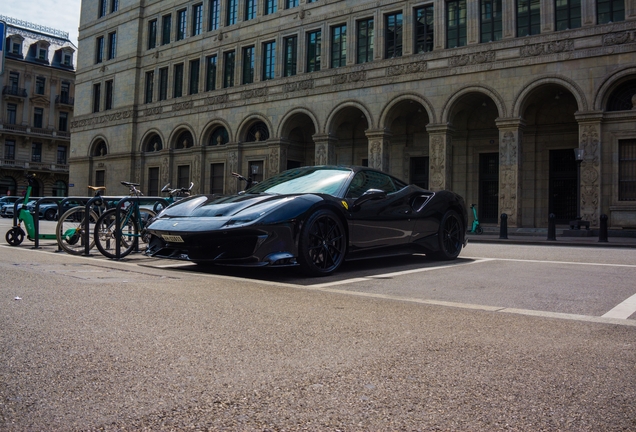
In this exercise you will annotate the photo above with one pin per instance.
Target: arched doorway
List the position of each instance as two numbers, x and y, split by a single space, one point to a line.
349 126
8 186
298 130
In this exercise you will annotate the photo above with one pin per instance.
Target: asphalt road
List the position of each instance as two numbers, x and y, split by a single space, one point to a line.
505 338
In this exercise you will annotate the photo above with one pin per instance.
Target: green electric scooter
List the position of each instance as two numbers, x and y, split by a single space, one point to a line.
477 229
15 235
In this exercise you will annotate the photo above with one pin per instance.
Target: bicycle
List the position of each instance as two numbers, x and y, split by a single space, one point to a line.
132 222
70 227
173 195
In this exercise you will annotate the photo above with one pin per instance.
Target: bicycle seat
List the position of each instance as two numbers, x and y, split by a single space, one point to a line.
129 184
97 188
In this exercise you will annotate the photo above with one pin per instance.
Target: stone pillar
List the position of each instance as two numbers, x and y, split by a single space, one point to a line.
325 149
510 139
233 165
277 156
379 149
52 91
440 160
590 142
508 19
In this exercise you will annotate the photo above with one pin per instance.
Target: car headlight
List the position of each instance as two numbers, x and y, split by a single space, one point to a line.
244 218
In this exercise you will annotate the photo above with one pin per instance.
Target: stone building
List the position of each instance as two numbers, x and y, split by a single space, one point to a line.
488 98
36 108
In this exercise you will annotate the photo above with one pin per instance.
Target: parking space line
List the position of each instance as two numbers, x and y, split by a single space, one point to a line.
553 262
623 310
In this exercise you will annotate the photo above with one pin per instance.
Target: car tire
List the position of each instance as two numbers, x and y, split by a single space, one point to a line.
323 243
450 237
50 214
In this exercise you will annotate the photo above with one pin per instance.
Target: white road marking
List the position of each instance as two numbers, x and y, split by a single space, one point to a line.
553 262
623 310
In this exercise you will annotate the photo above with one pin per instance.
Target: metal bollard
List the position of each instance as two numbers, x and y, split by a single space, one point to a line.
503 228
552 227
602 233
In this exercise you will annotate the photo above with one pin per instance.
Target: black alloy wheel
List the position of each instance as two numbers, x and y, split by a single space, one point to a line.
323 244
14 236
451 237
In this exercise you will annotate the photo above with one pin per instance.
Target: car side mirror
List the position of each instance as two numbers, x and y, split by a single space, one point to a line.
370 195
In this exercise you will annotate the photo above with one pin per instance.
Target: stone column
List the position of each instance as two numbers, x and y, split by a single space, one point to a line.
590 142
277 156
508 19
440 161
379 149
510 139
325 149
439 25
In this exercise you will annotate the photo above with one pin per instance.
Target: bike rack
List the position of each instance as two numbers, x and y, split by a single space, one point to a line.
87 220
62 205
36 218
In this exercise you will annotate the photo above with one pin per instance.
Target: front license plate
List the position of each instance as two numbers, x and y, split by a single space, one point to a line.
172 238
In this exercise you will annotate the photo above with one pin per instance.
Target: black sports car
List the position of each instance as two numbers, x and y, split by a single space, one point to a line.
312 216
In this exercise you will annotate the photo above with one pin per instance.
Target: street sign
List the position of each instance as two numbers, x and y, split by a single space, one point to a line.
3 39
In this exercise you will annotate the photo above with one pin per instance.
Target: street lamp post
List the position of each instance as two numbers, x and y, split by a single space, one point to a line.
579 153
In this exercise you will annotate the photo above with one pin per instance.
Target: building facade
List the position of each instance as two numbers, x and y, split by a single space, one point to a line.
488 98
38 87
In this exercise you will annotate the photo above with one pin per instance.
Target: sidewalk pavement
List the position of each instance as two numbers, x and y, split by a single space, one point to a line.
540 237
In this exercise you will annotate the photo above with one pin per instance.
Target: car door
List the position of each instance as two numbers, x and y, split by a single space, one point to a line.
381 223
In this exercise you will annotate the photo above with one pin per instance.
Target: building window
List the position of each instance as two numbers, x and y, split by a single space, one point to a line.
112 45
217 175
182 24
250 9
183 176
12 110
36 152
97 90
528 17
61 155
152 34
610 11
424 29
102 8
38 117
99 49
9 149
338 46
114 6
210 73
365 41
163 84
197 19
194 76
219 137
213 19
153 181
228 69
40 84
291 49
62 124
232 12
269 60
490 24
65 92
16 48
393 35
313 51
248 65
42 54
291 4
150 81
271 6
100 176
627 170
567 14
108 102
456 23
166 29
68 60
177 84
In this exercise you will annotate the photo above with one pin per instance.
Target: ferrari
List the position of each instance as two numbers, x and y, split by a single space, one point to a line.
316 217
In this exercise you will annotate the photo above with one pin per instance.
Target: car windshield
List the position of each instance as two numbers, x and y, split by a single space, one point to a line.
296 181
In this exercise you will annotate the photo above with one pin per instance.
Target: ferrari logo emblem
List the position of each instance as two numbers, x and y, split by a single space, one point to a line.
175 224
345 205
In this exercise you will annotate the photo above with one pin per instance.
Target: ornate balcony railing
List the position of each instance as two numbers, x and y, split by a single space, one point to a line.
10 90
14 127
64 99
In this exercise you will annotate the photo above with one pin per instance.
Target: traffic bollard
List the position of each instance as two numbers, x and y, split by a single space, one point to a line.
602 233
552 227
503 228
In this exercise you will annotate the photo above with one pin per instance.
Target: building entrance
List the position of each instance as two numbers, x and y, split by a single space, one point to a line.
488 207
562 185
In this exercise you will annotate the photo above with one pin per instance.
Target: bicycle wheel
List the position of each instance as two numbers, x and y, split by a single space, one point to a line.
146 215
105 233
70 230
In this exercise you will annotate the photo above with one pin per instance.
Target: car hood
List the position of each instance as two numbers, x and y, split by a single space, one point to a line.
210 206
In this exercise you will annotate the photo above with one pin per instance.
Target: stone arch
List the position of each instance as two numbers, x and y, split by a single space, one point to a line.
286 124
385 115
251 122
8 185
176 140
297 130
95 149
451 104
149 139
334 117
521 99
211 128
610 84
